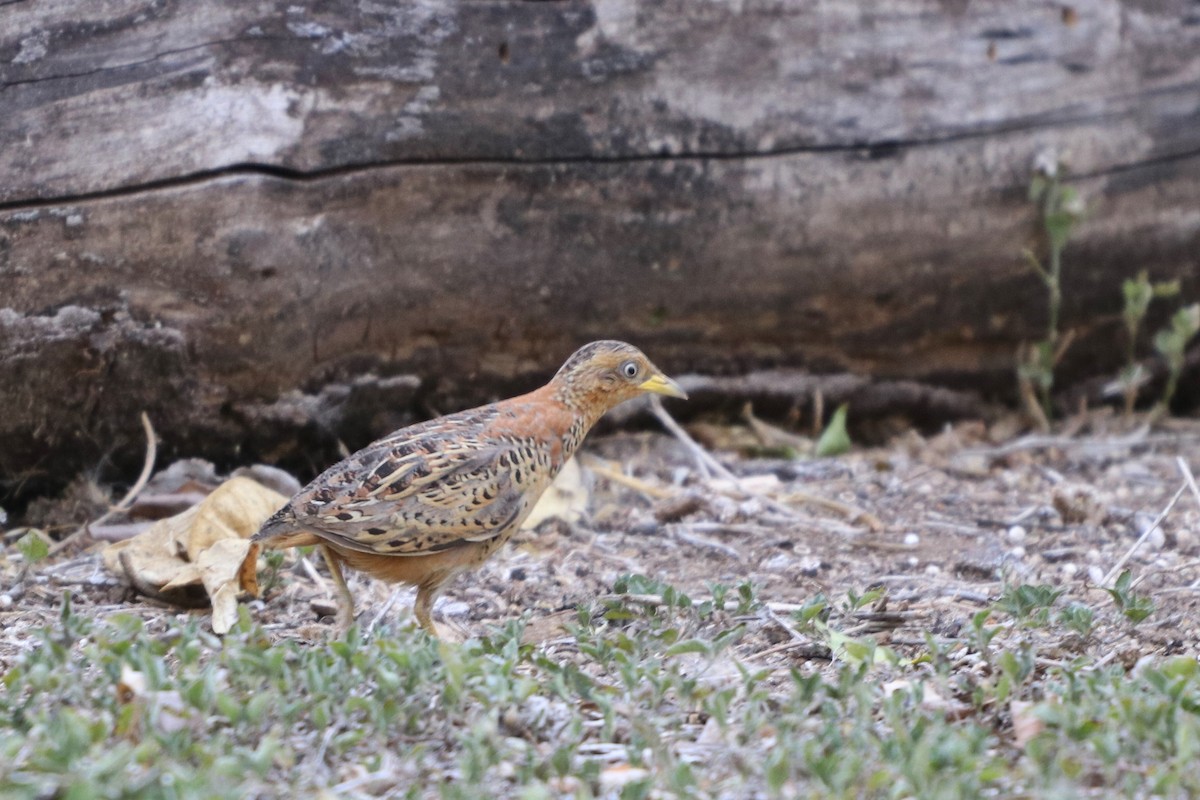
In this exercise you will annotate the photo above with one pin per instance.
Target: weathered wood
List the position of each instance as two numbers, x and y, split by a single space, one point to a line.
120 94
230 213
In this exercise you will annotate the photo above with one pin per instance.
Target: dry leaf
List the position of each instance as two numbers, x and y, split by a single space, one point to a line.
566 498
207 545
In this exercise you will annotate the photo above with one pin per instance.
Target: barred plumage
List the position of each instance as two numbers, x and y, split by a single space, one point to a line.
433 499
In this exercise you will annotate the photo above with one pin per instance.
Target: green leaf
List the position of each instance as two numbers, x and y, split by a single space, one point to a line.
1138 293
688 646
834 439
778 770
1181 667
1058 228
1167 288
33 546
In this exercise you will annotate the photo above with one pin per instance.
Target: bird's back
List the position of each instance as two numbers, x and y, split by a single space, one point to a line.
452 481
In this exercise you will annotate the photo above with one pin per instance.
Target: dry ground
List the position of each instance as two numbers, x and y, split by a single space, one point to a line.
940 523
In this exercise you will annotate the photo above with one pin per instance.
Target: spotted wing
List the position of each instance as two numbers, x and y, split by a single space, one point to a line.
422 490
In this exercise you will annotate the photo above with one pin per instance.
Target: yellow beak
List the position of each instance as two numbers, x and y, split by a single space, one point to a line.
661 384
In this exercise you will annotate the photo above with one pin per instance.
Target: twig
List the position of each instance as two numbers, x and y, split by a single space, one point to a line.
771 436
130 496
118 532
786 626
852 513
391 601
1187 476
1103 660
704 461
1112 573
1177 568
312 573
810 650
628 481
682 535
818 411
730 527
710 466
1043 442
319 760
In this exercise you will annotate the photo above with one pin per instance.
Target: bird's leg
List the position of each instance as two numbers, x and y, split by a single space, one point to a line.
345 614
423 606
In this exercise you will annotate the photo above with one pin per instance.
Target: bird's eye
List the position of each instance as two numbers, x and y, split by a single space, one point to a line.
629 369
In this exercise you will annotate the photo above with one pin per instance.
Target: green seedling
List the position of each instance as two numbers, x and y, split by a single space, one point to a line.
33 546
1060 209
1136 607
1078 618
1171 342
1029 604
1138 293
834 440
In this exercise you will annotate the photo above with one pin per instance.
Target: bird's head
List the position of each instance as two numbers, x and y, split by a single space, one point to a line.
601 375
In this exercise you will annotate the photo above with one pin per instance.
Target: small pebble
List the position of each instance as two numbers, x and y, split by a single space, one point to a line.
6 601
1069 570
1095 574
932 569
1185 540
455 608
1156 539
778 563
1017 552
810 566
1016 535
724 509
911 539
913 561
750 508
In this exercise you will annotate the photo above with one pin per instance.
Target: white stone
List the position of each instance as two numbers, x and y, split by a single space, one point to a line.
1156 539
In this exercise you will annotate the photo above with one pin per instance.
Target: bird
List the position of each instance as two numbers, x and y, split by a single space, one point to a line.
432 500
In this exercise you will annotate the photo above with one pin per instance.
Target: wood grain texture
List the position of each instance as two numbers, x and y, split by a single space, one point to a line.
258 218
102 96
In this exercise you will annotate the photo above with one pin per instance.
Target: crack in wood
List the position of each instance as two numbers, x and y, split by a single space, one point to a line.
874 150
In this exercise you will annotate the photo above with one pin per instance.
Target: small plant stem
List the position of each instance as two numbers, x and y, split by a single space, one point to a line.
1110 578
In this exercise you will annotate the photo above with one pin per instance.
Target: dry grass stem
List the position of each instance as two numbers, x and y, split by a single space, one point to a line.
1116 570
130 496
